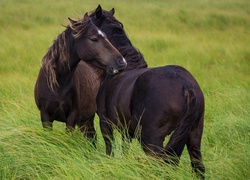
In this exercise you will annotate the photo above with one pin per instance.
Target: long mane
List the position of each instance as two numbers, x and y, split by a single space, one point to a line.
133 57
58 55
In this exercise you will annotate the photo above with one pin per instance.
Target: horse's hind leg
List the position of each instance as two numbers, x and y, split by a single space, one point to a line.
152 142
193 146
46 121
88 129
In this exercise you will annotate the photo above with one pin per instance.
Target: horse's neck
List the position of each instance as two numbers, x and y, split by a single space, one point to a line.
133 57
64 73
101 74
120 41
64 76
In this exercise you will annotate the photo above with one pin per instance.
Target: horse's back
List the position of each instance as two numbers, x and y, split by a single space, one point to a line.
168 81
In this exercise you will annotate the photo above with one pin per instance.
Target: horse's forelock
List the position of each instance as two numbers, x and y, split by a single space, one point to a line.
80 27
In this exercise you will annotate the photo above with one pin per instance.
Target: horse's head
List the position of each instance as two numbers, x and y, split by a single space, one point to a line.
92 46
106 21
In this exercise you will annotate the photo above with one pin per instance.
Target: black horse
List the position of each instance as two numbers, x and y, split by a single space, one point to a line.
66 88
152 101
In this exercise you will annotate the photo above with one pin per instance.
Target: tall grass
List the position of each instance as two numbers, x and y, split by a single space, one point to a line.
209 38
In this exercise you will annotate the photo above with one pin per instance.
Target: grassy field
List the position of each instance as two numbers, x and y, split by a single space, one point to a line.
209 38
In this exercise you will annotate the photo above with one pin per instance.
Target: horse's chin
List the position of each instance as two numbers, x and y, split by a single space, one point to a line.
115 71
112 71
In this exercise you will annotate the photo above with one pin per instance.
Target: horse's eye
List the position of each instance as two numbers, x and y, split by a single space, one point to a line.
94 40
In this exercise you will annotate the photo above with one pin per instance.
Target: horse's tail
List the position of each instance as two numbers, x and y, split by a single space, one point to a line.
179 137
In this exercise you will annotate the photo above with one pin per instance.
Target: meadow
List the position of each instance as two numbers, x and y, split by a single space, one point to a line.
209 38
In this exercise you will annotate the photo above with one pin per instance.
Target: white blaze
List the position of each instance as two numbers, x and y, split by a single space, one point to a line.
100 32
124 60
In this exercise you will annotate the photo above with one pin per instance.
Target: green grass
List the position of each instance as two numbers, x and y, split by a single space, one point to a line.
209 38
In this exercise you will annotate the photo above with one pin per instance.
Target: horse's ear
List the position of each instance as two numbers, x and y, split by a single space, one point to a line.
98 12
112 11
86 16
71 21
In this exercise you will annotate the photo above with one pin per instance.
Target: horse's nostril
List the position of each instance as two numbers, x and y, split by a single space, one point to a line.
122 62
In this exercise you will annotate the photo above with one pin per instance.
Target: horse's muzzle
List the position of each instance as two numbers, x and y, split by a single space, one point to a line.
112 71
120 65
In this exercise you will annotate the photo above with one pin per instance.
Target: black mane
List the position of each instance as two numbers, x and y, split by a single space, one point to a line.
119 39
133 57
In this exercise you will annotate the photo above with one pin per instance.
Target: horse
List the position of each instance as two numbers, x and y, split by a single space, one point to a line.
66 88
150 103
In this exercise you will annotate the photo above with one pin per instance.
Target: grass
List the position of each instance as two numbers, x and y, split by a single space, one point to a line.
209 38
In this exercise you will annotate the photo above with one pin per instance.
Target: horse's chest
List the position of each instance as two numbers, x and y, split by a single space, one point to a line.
59 107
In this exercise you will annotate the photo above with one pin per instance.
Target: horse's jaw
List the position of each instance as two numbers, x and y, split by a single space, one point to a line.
112 71
121 64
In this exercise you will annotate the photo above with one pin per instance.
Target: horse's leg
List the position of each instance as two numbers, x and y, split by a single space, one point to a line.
87 128
71 121
145 127
186 121
151 143
107 133
46 121
175 146
193 146
151 137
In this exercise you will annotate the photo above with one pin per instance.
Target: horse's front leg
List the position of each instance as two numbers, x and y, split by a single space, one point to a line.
107 133
71 121
46 121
